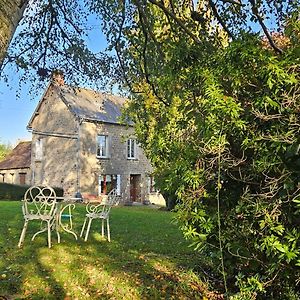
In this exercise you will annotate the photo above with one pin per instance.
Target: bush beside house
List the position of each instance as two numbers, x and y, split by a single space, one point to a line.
16 192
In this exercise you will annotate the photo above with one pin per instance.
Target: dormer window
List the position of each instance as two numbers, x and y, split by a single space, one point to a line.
102 146
131 149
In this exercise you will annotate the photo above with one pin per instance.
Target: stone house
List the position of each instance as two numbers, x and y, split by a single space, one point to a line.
79 144
15 168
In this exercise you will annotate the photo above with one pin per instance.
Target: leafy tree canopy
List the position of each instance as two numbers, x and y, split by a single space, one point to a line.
4 150
54 35
215 88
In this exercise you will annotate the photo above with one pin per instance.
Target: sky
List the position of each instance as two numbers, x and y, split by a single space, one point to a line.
15 112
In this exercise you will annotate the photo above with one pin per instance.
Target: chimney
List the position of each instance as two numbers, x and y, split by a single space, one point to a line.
58 78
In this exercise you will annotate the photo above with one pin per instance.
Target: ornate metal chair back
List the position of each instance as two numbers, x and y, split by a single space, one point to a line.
112 199
99 211
39 201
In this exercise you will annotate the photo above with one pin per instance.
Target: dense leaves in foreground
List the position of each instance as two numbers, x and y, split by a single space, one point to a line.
216 108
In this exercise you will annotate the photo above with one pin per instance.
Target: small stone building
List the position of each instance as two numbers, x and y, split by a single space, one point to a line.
79 144
15 168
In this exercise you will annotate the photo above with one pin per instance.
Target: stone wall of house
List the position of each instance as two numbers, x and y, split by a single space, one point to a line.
16 176
56 128
69 149
58 164
116 164
53 115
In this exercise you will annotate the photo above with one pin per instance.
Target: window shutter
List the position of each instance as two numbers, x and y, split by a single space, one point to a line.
149 184
100 179
128 148
135 149
118 185
108 146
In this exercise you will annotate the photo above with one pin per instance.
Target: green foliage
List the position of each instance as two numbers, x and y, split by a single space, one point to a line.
4 150
55 35
16 192
206 87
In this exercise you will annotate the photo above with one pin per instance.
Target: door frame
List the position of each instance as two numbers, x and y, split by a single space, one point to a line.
135 187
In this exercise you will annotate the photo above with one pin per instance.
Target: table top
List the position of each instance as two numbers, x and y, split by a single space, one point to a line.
69 199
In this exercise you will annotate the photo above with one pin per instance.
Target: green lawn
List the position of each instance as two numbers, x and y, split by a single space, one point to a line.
146 259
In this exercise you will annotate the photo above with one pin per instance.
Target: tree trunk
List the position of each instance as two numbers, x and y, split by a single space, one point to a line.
11 12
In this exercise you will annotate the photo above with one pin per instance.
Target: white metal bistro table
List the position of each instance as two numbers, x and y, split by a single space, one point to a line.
65 207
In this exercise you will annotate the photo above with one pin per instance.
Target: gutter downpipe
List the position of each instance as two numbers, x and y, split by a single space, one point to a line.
78 158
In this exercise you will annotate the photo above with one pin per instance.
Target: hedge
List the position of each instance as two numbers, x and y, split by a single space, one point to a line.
16 192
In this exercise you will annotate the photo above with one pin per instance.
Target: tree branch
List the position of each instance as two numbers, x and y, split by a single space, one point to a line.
63 10
218 17
147 77
233 2
177 20
264 27
143 18
117 48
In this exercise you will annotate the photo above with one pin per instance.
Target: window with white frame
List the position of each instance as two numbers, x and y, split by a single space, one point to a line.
39 149
131 149
109 182
102 146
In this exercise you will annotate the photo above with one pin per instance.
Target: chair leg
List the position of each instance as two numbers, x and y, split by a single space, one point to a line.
49 235
108 229
55 226
83 226
102 231
22 237
58 236
88 229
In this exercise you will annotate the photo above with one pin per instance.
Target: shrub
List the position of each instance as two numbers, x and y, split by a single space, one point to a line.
16 192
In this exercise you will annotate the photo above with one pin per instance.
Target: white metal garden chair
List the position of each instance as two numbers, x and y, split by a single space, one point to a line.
39 204
99 211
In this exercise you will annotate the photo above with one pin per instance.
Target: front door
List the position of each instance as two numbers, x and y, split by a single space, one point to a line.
22 178
135 192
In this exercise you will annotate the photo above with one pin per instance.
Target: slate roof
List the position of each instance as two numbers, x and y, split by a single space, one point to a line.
19 158
91 105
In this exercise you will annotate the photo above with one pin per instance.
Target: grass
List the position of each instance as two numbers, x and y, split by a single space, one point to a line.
146 259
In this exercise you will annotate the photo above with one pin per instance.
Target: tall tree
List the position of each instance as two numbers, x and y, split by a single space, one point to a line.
11 13
215 90
52 35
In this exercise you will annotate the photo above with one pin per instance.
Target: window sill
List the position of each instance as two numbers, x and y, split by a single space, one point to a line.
134 158
103 157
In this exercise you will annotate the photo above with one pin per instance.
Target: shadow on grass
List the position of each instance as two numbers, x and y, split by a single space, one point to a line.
147 259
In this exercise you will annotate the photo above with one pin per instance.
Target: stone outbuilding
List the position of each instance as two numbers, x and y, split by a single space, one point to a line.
15 168
80 145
